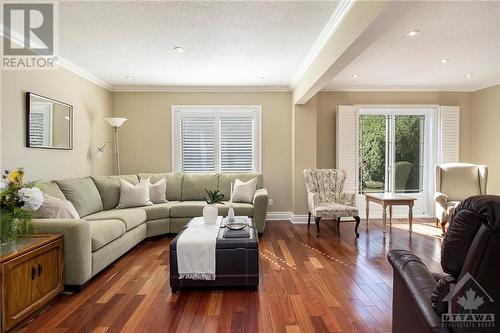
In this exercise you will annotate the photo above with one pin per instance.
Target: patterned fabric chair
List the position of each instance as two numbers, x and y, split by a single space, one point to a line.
326 199
453 183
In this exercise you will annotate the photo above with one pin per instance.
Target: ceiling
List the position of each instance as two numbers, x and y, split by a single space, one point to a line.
227 43
465 32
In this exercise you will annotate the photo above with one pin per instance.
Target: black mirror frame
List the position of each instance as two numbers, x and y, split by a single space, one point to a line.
28 110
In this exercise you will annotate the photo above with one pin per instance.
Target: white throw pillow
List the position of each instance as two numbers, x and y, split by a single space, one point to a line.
54 208
134 195
244 192
157 191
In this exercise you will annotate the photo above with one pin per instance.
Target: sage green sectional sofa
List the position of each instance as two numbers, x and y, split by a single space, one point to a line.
104 233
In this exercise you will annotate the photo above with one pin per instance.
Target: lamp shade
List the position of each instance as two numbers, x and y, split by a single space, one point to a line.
116 122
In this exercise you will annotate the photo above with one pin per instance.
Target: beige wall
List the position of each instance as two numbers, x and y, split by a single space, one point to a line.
145 139
91 103
328 102
304 150
485 138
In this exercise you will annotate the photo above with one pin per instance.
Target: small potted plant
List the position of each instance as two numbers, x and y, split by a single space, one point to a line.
210 211
18 201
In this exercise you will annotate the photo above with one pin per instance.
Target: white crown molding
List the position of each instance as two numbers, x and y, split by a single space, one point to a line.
60 61
329 29
180 89
412 88
82 73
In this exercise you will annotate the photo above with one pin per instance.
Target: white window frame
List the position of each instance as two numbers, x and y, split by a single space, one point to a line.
216 111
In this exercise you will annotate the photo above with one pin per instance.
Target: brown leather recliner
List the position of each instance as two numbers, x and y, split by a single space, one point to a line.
467 297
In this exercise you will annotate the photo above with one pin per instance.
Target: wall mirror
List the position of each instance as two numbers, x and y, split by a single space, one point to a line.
49 123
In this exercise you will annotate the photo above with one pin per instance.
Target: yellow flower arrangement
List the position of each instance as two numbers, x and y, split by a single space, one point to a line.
16 176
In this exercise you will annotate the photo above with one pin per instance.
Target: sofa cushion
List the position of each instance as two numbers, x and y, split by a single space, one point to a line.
132 217
187 209
109 188
51 189
194 185
159 211
82 193
174 183
240 209
103 232
225 180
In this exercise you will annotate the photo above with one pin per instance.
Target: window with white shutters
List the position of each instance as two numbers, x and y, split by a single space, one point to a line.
216 139
236 144
197 144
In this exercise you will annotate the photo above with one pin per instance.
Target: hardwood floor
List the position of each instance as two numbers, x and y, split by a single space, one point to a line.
336 283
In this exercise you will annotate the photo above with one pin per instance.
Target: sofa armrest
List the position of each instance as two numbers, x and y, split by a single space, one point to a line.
77 247
260 202
412 290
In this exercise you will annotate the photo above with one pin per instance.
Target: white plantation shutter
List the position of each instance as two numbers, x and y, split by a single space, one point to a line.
236 144
449 134
37 137
347 145
197 140
216 139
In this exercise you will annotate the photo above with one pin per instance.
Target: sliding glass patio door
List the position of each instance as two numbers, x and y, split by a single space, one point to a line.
396 153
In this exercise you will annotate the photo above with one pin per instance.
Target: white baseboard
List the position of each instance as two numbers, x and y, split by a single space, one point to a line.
299 219
273 216
286 216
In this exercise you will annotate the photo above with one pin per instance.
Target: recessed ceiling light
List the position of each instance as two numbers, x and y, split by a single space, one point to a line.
468 76
355 76
128 77
179 49
260 77
413 33
445 61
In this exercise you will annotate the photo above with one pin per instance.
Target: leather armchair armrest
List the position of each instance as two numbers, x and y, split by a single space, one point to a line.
413 286
77 247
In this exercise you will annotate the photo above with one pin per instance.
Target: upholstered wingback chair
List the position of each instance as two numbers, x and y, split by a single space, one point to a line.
326 199
453 183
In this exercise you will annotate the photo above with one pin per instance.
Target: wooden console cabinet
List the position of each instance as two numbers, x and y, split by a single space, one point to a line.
31 276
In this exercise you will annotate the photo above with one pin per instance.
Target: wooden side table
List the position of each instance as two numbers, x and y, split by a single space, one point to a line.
389 200
31 276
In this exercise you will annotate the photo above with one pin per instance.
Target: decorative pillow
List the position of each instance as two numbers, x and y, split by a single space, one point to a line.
54 208
244 192
441 290
157 191
134 195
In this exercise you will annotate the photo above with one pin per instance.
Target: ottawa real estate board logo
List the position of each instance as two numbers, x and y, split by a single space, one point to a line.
467 302
29 35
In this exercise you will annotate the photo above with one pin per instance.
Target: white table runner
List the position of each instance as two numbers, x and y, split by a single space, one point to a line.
196 250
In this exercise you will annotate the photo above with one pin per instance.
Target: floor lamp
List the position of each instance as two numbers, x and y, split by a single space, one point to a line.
116 123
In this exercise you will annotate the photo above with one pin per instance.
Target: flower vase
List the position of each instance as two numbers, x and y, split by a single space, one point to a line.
210 213
230 213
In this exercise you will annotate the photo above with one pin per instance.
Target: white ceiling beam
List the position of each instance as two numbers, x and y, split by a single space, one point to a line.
356 31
